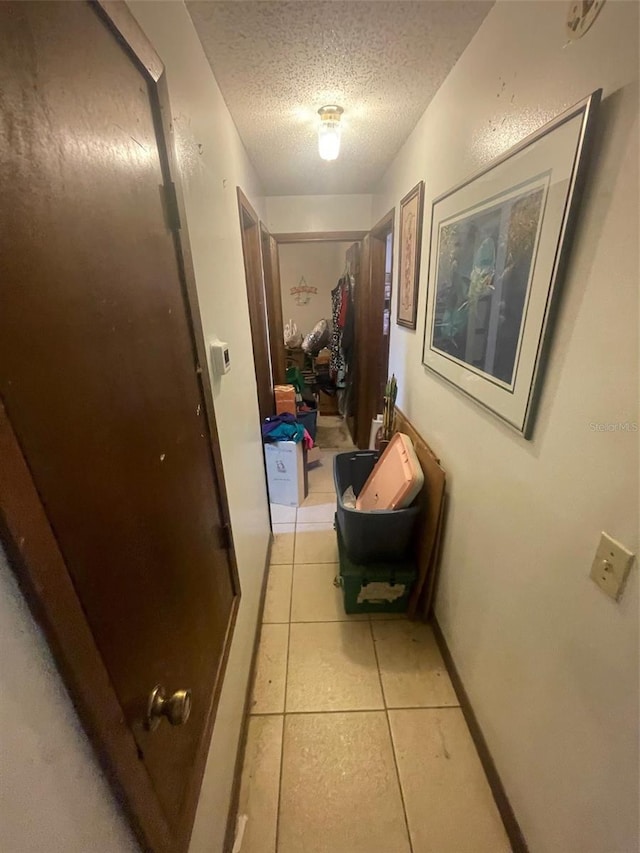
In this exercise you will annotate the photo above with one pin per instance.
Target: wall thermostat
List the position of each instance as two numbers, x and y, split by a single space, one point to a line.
220 358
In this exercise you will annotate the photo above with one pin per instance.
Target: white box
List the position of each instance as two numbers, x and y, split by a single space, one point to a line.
286 472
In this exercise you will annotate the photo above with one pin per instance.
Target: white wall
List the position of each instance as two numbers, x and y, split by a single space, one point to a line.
53 795
550 663
321 265
291 214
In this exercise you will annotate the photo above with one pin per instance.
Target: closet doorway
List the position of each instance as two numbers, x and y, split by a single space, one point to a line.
318 275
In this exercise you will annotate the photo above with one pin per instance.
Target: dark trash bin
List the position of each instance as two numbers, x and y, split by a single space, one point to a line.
378 535
309 421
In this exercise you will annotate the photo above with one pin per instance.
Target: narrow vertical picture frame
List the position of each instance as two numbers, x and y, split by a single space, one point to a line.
410 239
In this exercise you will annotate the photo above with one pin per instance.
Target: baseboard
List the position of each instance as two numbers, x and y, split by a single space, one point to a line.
242 741
516 838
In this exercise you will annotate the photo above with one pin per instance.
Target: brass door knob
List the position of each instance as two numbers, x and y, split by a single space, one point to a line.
176 708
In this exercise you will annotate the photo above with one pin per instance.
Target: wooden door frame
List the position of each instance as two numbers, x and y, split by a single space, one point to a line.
320 237
273 300
369 314
362 343
258 319
379 235
36 559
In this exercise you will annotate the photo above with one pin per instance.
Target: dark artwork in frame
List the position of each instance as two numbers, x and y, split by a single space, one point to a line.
485 261
499 246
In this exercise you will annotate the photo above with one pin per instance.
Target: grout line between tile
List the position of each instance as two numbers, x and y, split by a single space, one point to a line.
286 679
357 710
327 621
393 746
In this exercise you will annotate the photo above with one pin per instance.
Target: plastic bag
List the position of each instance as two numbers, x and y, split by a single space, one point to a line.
317 338
292 337
349 498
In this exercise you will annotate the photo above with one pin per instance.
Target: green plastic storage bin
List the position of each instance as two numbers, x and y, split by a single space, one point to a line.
375 587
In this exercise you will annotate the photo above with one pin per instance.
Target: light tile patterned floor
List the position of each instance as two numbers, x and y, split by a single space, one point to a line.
356 742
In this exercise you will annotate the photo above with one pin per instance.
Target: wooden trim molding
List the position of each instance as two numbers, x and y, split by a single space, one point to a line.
242 741
132 36
511 825
257 299
320 237
384 225
273 300
248 207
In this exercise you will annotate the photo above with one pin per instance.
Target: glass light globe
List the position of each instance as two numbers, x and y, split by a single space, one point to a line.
329 140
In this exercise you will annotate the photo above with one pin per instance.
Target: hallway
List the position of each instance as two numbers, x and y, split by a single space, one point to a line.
356 742
440 191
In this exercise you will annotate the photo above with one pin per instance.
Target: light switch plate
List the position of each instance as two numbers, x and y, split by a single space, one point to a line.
611 566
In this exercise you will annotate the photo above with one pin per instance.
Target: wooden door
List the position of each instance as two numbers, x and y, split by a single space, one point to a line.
273 295
109 430
256 296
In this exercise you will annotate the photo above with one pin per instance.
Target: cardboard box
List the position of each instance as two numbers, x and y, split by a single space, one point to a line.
285 396
286 472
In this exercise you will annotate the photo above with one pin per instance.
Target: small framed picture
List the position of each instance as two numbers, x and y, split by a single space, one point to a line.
410 242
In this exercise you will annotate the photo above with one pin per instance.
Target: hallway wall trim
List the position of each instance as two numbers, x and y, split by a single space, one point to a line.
511 825
320 237
234 804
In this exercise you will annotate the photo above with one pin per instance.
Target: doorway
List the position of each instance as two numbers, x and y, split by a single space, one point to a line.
309 264
311 273
318 277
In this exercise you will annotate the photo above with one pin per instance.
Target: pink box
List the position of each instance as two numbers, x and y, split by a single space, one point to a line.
396 479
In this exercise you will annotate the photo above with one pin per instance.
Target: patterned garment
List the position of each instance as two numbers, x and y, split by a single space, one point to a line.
337 363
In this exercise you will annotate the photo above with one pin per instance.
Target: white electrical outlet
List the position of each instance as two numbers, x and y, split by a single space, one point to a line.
611 566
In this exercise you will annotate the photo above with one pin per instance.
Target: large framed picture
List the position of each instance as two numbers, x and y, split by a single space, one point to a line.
499 245
410 241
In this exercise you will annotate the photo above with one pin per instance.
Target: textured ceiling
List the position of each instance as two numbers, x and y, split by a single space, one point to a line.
278 62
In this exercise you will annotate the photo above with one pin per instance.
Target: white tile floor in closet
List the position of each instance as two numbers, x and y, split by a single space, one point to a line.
356 740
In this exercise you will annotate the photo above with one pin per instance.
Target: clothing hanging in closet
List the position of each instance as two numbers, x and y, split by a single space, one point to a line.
343 328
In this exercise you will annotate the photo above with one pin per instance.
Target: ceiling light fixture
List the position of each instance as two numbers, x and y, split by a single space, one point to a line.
329 131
